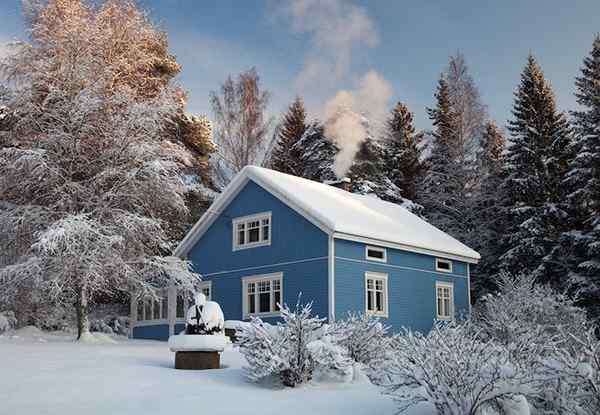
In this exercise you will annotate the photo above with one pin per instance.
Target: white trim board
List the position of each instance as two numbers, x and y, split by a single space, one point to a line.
265 266
447 274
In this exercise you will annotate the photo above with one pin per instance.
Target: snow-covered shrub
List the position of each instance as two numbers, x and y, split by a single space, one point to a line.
331 360
535 322
291 350
452 368
7 321
572 373
363 335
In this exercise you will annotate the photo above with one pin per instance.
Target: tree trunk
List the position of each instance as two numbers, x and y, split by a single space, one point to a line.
81 308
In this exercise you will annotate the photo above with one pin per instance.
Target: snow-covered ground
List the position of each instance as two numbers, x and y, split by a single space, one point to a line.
43 373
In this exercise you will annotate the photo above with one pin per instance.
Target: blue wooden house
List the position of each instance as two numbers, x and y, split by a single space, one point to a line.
271 236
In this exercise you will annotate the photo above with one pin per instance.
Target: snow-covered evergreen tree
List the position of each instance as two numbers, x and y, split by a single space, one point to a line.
583 179
315 154
488 209
368 173
447 184
284 157
536 162
92 178
402 156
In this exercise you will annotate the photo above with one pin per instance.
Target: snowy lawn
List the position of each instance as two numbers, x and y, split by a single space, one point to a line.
49 374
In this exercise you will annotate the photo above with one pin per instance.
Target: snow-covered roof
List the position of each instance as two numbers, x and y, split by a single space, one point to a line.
342 214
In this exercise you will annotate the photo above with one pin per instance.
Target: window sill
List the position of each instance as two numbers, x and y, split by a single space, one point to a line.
142 323
377 314
252 245
273 314
444 318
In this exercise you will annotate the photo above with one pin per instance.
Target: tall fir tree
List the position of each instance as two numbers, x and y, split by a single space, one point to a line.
535 211
445 192
488 209
315 154
402 155
584 180
291 130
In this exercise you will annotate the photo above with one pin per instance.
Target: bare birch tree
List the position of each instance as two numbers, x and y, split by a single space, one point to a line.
241 127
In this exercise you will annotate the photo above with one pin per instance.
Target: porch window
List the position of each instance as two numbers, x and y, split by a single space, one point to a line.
262 294
444 300
376 294
252 231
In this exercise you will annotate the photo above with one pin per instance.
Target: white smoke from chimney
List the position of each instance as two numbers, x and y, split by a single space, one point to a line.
335 27
350 114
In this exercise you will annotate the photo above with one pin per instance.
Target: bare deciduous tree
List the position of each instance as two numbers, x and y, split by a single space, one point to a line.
240 124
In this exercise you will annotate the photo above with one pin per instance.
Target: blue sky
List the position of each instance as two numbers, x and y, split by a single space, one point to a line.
406 42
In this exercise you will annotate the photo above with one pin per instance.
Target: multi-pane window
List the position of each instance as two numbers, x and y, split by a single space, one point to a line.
149 309
262 294
206 289
252 231
376 293
444 300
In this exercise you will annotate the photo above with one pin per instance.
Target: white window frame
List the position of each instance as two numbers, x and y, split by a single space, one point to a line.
375 248
206 285
142 319
245 220
256 279
381 277
442 285
441 260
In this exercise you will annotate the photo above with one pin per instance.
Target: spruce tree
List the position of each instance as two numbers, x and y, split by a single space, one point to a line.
315 154
535 211
488 218
445 186
368 173
402 155
290 132
584 179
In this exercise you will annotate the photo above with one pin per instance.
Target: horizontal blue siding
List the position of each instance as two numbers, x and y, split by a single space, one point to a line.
411 285
298 249
151 332
307 278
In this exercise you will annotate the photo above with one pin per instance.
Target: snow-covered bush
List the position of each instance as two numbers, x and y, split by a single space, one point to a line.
524 309
363 335
568 379
331 360
452 368
293 349
7 321
536 324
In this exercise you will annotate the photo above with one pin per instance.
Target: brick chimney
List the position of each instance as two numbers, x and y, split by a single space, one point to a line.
344 183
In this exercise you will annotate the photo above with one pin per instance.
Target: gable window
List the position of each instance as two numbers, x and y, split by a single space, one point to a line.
252 231
444 298
375 253
205 288
376 294
443 265
262 294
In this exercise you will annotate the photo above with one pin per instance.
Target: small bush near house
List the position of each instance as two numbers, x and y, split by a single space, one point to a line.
363 336
547 337
452 368
294 350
